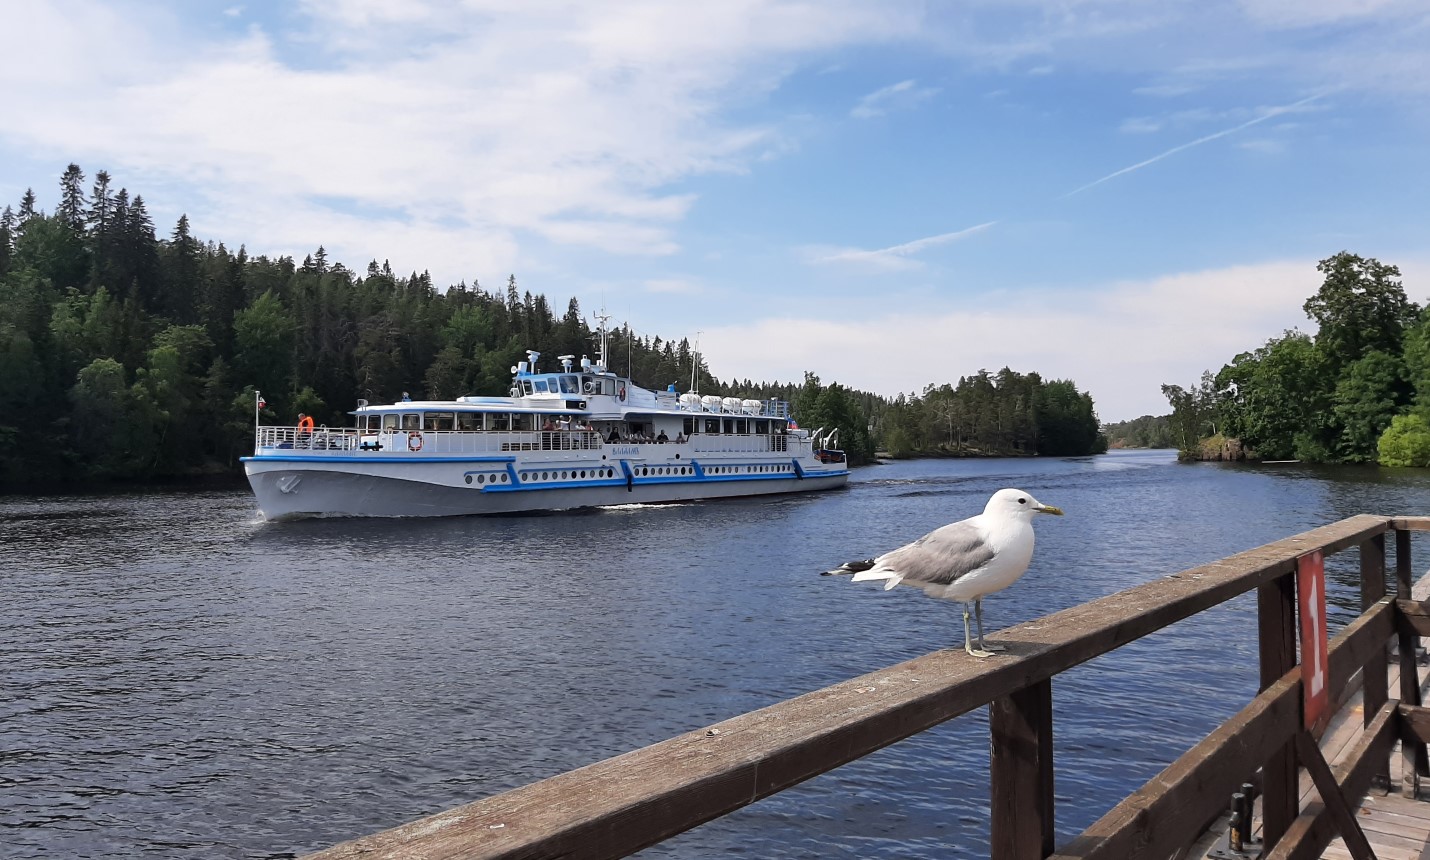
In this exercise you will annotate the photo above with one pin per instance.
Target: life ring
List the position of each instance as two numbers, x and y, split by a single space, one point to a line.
588 388
414 441
305 424
622 393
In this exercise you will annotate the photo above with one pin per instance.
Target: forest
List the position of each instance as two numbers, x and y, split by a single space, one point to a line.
1358 391
126 356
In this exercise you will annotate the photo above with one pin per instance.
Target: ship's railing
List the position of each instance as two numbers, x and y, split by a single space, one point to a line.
721 443
347 441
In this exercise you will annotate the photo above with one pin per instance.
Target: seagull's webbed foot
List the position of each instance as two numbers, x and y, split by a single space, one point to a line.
968 639
978 616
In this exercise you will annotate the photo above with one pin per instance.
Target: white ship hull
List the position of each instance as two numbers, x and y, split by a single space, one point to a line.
292 487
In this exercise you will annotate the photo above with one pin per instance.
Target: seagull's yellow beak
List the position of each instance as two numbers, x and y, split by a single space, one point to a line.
1049 509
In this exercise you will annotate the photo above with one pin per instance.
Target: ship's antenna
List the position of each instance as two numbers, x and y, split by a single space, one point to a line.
602 318
695 366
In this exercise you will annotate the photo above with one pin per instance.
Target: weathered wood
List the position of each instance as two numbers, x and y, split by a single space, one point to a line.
1416 615
1376 680
1414 524
1021 766
1167 813
1312 830
1276 634
1414 762
1338 809
1415 723
618 806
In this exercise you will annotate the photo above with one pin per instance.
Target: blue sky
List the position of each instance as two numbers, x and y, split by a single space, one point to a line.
887 194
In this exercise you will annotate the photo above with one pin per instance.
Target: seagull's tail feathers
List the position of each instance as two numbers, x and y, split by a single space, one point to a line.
849 567
891 578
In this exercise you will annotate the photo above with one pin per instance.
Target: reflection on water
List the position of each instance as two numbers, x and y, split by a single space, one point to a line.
181 679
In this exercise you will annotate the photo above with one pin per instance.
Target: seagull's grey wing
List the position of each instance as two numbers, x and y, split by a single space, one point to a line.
941 556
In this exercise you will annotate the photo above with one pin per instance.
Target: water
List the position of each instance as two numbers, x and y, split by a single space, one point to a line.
180 679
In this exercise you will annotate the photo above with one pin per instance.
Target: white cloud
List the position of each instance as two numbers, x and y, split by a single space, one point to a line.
1120 341
892 258
901 96
490 120
678 286
1139 125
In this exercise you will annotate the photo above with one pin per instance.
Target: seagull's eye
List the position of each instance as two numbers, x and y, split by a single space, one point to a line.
1022 501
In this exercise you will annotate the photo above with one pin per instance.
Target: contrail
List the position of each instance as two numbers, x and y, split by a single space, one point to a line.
907 248
1273 112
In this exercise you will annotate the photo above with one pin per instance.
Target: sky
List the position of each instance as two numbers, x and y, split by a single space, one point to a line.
886 194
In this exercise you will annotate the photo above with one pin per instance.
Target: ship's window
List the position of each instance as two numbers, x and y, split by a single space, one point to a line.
499 421
742 426
439 421
762 427
541 386
729 425
522 421
569 386
469 420
389 422
526 386
411 421
712 425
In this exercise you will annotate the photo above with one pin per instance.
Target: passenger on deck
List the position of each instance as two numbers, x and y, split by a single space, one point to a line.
406 398
662 438
548 425
615 435
679 438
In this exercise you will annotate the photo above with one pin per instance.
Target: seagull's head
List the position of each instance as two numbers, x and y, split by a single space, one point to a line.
1016 503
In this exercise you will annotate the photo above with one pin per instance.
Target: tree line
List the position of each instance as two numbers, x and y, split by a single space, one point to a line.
124 355
1358 391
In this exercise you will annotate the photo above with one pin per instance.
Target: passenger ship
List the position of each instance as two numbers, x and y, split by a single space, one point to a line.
568 439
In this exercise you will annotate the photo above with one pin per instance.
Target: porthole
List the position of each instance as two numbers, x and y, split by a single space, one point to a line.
469 479
503 479
545 476
563 476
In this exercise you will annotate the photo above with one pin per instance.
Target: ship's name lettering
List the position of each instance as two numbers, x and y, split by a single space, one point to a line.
627 449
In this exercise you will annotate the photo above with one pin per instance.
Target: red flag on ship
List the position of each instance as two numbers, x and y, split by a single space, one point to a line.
262 404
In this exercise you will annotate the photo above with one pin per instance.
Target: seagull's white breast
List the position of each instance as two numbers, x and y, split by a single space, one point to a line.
1012 542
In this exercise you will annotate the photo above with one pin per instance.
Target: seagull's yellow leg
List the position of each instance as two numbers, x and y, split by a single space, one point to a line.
968 638
978 616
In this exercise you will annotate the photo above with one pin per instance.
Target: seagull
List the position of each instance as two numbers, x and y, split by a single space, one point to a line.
965 560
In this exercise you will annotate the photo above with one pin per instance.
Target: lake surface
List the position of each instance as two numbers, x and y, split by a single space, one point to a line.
180 679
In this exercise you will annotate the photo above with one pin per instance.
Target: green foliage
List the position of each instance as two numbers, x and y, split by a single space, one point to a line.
1327 398
1148 431
1406 442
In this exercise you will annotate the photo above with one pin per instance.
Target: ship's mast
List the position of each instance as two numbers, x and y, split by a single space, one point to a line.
602 318
695 366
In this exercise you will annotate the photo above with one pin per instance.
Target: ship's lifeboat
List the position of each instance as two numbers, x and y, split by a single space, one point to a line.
711 402
751 406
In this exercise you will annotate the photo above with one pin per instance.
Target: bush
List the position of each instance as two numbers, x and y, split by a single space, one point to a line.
1406 442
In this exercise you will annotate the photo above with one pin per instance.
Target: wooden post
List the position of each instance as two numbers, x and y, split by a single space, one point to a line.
1021 765
1377 668
1276 625
1414 762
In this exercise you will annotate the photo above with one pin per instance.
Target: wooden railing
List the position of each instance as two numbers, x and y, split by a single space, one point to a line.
621 805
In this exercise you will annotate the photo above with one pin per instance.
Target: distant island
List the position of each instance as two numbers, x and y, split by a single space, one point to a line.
124 356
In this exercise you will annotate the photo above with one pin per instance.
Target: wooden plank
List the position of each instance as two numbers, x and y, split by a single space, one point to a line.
1376 681
1338 809
621 805
1312 830
1414 760
1414 524
1021 773
1415 723
1416 615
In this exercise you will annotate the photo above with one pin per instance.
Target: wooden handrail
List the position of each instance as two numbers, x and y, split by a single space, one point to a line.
623 804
